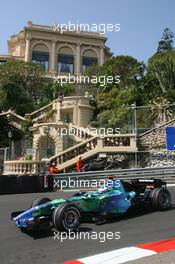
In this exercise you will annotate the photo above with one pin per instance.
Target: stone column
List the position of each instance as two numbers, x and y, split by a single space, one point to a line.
133 142
100 143
101 61
53 57
77 61
58 112
27 50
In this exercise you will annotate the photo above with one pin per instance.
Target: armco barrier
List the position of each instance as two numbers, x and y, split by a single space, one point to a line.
12 184
83 180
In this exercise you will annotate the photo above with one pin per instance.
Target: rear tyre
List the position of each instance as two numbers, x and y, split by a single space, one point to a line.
39 201
66 217
161 199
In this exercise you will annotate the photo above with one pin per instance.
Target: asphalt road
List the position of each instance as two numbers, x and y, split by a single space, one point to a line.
20 248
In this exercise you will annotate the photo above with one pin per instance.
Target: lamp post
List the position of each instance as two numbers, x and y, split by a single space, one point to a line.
134 126
47 130
134 118
60 99
10 142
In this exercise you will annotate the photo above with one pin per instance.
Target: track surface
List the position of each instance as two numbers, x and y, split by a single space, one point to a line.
19 248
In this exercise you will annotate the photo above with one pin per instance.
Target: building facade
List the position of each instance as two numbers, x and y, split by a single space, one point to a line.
58 54
71 52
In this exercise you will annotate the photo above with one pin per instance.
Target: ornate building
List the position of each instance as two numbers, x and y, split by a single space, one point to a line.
71 52
60 55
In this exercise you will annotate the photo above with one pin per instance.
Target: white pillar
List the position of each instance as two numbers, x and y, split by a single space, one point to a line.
101 61
27 50
77 61
53 57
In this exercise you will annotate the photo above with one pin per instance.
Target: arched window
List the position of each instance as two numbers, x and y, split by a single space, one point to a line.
65 60
89 58
40 55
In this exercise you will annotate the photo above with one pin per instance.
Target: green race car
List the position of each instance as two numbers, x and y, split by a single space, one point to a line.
114 200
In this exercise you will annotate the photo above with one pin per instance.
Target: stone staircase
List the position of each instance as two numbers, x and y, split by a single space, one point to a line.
13 119
119 143
114 144
88 143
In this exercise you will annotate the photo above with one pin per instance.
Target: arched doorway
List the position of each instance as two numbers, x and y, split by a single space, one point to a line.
89 58
65 60
46 147
40 55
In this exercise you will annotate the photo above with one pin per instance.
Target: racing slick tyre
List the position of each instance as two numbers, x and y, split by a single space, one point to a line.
39 201
161 199
66 217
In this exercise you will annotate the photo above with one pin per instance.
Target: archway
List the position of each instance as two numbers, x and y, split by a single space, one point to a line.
46 147
65 63
40 55
89 58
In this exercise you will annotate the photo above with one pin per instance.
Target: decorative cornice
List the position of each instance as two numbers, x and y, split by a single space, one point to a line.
67 42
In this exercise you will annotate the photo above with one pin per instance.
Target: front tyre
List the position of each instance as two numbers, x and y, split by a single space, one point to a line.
66 217
40 201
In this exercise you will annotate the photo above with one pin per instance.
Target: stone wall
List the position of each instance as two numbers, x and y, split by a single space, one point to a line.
155 138
161 158
154 141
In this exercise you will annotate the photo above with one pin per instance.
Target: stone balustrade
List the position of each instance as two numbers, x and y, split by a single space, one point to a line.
107 144
40 112
118 143
14 119
24 167
75 151
81 133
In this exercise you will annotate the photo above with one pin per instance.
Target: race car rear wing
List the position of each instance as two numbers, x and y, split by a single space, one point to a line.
148 183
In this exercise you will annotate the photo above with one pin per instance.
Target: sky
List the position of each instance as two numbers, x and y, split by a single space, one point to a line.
141 21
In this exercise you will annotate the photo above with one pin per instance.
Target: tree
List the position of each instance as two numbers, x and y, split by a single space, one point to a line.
114 99
161 75
56 89
21 84
161 111
160 87
166 42
24 88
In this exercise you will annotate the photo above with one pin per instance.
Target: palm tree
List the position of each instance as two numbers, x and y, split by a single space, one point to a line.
161 112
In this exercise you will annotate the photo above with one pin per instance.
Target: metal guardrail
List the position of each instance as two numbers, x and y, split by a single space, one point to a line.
90 179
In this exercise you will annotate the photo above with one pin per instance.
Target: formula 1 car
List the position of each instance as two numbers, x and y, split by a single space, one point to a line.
116 199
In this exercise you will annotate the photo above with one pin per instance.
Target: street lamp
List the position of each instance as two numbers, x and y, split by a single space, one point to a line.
60 99
134 118
47 130
134 125
10 142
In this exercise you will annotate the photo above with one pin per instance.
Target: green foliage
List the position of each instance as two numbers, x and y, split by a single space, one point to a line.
153 86
57 89
24 88
166 43
26 125
161 86
161 71
4 128
20 84
114 99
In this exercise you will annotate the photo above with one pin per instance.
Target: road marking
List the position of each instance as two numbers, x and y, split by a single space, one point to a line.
128 253
159 246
